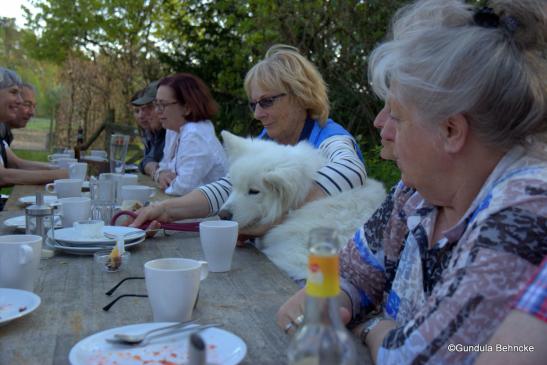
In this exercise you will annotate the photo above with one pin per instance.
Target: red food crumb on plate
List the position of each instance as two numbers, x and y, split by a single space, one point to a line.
167 362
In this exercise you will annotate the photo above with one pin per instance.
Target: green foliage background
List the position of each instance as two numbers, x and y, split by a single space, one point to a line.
90 56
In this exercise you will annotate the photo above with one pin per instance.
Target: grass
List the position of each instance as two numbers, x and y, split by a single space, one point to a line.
32 155
38 124
27 155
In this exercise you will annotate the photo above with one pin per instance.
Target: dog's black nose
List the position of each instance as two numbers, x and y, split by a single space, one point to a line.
225 215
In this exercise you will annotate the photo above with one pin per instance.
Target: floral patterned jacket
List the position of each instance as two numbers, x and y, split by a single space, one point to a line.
458 291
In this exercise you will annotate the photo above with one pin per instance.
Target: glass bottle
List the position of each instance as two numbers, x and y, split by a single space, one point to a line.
79 143
323 339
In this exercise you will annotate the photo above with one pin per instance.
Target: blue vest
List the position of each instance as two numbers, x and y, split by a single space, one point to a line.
315 134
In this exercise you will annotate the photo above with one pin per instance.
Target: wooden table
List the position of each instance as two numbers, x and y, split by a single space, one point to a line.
72 289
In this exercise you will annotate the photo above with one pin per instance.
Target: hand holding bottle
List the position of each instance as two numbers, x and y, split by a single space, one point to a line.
294 307
322 339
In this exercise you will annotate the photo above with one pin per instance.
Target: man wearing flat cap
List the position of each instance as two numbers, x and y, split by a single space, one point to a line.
153 132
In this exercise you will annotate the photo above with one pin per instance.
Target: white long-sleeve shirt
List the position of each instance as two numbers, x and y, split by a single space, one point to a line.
195 155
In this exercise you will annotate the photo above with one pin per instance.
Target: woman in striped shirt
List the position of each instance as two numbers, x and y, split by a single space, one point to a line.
289 97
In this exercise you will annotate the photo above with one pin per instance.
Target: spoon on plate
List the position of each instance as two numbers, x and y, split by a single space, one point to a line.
135 339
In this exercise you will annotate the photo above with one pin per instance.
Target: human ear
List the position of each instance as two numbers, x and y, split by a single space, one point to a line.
455 132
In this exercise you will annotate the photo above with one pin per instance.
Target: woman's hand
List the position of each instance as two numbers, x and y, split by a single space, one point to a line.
165 178
153 213
294 308
290 311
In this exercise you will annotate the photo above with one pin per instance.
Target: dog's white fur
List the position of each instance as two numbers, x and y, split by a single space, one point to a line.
269 180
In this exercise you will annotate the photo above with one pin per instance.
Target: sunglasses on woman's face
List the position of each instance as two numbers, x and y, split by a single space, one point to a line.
264 102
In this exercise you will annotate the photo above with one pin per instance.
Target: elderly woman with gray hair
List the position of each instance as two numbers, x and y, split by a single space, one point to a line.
14 170
465 228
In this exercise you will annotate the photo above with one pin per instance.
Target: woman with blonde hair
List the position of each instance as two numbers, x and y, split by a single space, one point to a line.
289 97
427 279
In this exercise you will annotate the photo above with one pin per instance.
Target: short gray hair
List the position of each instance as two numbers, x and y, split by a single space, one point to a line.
8 78
443 64
26 85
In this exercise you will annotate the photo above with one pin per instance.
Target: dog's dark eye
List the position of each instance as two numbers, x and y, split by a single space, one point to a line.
253 192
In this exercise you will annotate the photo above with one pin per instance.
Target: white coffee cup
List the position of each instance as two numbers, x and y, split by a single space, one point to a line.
74 209
119 181
19 261
77 170
64 162
173 285
65 188
140 193
218 241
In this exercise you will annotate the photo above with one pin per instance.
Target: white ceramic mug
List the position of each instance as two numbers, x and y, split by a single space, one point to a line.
65 188
140 193
19 261
74 209
218 241
77 170
172 285
64 162
119 181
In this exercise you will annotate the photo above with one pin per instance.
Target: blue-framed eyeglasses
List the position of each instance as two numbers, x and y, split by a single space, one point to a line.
264 102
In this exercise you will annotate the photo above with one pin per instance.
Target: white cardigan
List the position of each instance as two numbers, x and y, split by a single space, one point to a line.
195 155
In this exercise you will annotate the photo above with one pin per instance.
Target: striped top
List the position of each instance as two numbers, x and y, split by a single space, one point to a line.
344 171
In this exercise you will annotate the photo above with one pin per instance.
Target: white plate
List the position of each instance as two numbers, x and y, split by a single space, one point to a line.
31 199
68 235
94 158
88 250
15 303
20 223
223 347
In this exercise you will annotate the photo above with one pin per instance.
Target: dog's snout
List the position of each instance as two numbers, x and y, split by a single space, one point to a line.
225 215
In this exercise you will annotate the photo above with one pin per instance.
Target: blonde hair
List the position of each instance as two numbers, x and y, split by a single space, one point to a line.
284 69
443 62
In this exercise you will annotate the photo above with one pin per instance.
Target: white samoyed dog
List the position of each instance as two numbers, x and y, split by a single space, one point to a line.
270 180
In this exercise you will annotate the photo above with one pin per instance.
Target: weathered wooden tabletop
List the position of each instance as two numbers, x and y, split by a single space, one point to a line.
72 289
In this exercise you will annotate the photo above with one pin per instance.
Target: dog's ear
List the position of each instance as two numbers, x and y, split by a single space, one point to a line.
285 182
235 146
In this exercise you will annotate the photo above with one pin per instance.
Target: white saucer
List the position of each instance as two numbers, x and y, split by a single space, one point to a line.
20 223
31 199
69 235
15 303
87 249
131 167
223 347
94 158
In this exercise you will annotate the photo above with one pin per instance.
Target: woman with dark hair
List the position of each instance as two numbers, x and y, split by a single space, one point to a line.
288 95
185 105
